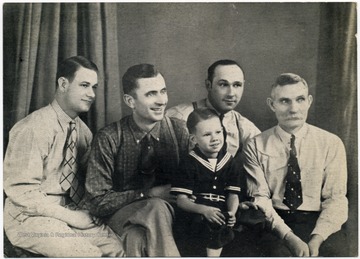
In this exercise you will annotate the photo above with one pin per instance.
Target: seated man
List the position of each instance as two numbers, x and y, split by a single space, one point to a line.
131 165
44 170
225 85
297 174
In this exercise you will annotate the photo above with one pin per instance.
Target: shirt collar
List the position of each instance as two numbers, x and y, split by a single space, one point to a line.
62 117
285 136
209 105
139 134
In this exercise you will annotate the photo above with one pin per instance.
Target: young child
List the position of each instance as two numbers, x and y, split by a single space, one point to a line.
210 175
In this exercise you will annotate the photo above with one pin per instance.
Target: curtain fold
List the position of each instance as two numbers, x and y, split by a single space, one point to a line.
45 62
336 98
44 35
26 54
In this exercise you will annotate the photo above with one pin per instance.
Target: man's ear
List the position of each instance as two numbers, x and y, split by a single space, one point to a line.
270 103
208 84
311 99
192 138
129 100
62 83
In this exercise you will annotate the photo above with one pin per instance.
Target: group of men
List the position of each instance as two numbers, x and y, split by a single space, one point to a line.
110 196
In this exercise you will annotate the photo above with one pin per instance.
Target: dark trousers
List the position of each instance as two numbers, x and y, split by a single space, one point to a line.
302 224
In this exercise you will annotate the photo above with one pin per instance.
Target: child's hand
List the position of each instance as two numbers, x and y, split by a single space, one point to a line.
232 219
214 215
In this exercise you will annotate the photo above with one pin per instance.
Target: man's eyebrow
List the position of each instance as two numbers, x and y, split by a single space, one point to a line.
152 91
284 98
85 82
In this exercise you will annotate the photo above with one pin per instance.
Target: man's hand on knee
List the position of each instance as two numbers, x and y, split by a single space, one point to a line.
163 192
81 219
296 246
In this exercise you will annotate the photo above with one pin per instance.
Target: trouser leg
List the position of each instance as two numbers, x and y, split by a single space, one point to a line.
156 217
49 237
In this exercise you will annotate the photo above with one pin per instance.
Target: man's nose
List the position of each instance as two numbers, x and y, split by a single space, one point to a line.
294 107
161 99
90 92
231 90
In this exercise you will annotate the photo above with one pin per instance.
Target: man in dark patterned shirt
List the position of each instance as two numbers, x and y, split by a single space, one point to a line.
131 163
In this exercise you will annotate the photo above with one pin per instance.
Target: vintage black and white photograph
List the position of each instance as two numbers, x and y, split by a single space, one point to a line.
180 129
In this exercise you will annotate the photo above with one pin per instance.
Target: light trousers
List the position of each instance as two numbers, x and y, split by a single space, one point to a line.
54 238
145 226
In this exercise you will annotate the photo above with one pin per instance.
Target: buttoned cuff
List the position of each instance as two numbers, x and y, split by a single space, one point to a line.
324 231
276 223
281 230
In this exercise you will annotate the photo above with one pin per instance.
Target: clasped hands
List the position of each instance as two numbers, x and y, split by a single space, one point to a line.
214 215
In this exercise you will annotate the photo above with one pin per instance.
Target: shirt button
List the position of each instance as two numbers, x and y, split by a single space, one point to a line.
214 187
215 177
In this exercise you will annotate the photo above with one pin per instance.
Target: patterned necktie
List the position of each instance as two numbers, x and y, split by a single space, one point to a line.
147 163
69 179
293 192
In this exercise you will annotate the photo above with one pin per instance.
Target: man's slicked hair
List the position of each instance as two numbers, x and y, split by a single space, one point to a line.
69 66
136 72
222 62
198 115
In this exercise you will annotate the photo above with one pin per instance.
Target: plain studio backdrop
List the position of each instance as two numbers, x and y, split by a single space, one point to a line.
314 40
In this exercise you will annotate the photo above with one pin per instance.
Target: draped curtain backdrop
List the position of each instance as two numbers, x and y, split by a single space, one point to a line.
336 95
38 36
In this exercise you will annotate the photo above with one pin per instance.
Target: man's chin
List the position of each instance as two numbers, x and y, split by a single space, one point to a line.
158 118
226 109
291 127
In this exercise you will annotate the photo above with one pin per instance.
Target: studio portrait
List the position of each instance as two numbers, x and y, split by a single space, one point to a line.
187 129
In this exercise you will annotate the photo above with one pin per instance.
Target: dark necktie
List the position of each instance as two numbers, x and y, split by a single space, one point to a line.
221 116
69 179
293 191
147 163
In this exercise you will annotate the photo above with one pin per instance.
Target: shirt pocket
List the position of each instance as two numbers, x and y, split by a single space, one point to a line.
273 164
311 181
275 169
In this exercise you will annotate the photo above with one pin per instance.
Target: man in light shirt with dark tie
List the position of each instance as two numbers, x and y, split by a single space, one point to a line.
44 171
297 174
